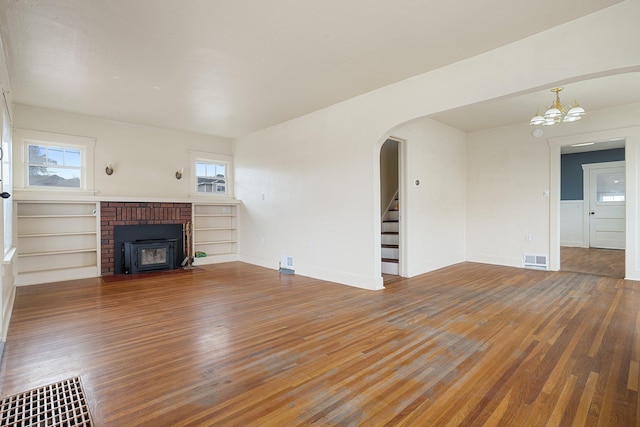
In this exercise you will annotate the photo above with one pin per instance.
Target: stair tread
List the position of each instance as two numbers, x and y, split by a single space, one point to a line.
391 220
392 260
384 245
390 232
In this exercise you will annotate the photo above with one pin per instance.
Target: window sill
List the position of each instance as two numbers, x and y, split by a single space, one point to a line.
214 197
37 194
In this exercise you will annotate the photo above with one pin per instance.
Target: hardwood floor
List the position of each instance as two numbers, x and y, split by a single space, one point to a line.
601 262
235 344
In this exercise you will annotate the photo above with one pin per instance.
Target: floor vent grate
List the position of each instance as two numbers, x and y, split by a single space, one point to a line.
536 261
59 404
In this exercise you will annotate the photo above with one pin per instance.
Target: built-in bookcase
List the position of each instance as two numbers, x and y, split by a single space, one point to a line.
215 232
57 241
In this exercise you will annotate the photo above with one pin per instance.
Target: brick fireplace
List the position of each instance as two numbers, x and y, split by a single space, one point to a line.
134 213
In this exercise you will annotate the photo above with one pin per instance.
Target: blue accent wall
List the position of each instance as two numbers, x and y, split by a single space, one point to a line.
571 170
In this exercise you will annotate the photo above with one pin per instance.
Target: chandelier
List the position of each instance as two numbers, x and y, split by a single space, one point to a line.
558 113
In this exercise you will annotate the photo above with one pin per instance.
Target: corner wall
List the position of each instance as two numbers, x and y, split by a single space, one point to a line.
433 212
310 186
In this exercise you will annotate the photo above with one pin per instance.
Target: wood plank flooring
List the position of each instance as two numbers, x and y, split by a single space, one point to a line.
239 345
601 262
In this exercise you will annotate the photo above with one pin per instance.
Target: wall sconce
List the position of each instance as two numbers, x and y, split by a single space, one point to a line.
179 173
109 169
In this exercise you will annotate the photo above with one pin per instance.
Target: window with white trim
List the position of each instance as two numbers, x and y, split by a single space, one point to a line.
53 162
211 174
211 177
53 166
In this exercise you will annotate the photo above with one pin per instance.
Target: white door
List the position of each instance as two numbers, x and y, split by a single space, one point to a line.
607 208
6 286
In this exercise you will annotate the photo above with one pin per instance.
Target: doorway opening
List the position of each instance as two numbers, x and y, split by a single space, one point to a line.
593 208
390 208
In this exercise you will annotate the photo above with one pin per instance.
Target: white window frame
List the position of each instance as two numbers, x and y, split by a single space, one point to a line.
31 137
221 159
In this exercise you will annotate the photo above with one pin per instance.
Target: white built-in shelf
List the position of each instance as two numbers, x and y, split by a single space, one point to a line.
70 251
215 232
56 216
57 240
74 233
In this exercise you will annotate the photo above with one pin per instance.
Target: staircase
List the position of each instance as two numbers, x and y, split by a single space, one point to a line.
391 238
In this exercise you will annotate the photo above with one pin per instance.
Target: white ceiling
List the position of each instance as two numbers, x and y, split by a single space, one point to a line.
594 94
229 67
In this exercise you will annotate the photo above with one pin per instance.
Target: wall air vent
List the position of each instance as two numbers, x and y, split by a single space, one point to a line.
539 262
286 264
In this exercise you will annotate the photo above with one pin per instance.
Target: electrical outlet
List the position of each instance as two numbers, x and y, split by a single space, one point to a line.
310 245
528 237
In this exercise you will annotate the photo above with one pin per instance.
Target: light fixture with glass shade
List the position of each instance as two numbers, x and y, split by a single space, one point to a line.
558 113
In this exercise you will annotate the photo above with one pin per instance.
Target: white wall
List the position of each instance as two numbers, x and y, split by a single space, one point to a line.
508 172
145 158
319 172
572 224
433 212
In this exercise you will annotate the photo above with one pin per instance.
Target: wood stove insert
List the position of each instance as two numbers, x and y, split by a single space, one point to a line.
148 247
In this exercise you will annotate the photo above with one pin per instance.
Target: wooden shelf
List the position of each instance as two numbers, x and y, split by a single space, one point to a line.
217 229
56 216
71 251
74 233
47 230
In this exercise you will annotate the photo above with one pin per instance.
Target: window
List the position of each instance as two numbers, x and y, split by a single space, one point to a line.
610 187
211 174
51 166
211 178
54 162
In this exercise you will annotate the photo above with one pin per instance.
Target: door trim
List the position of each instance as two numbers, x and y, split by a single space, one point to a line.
631 135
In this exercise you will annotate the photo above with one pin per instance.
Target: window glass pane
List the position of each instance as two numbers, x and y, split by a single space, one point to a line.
72 157
55 156
211 178
205 185
201 169
51 166
37 155
610 187
54 177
